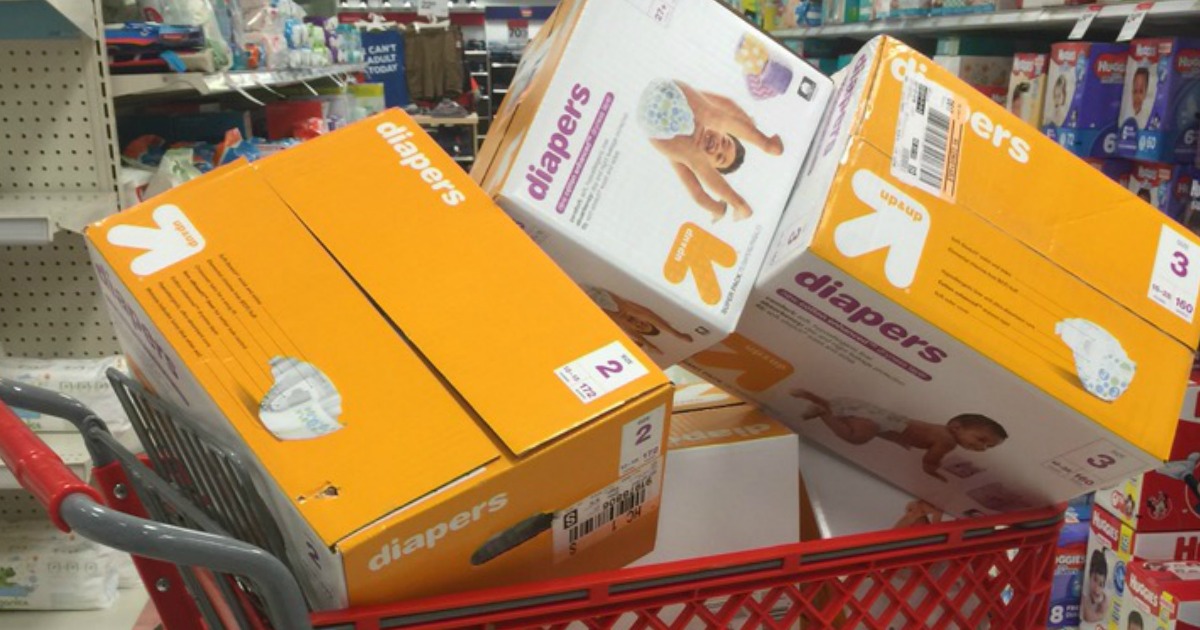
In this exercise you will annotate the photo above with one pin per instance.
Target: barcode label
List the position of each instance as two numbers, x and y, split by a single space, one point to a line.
928 137
608 511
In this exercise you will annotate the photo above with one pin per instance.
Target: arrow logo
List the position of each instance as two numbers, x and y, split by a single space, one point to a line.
174 240
899 224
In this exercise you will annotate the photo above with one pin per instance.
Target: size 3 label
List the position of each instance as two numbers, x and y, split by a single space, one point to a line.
600 372
1175 279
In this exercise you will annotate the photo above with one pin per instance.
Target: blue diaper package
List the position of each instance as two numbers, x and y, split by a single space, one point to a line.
1160 107
1167 187
1083 97
1066 589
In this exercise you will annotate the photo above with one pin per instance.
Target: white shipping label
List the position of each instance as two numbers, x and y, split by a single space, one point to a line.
641 441
928 137
604 513
1175 279
659 10
600 372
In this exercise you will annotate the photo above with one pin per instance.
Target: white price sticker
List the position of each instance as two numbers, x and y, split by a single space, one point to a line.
1134 21
604 513
1175 279
600 372
433 8
659 10
1084 22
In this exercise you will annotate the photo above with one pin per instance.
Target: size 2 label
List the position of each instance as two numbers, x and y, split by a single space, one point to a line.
641 441
1175 279
600 372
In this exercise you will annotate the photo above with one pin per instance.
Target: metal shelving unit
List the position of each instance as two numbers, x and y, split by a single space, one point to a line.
222 82
1049 18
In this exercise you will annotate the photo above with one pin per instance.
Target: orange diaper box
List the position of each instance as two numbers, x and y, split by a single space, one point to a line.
427 402
940 309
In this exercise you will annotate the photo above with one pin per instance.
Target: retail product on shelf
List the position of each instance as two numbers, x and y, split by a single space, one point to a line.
1083 96
654 172
1161 102
1113 545
1116 169
42 568
81 379
1027 87
353 364
901 279
1069 561
1167 498
1167 187
894 9
964 7
727 460
988 75
956 45
1165 595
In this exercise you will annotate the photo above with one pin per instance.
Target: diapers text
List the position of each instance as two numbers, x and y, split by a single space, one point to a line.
558 149
428 539
412 157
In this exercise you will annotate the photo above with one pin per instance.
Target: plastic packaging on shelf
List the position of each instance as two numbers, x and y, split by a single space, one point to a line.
42 568
192 13
82 379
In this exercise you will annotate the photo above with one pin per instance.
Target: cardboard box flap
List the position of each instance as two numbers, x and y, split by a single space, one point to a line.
521 332
266 331
1100 232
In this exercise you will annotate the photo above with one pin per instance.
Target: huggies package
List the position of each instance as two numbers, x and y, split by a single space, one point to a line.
1083 97
1027 86
1116 169
937 310
654 168
1167 187
1165 596
1168 497
1161 102
416 388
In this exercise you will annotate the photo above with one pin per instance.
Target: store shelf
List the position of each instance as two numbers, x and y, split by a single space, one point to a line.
476 52
479 74
35 19
464 158
500 91
219 82
33 218
1057 18
503 64
473 119
123 615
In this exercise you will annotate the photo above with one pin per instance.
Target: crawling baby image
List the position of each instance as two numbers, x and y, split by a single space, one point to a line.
859 422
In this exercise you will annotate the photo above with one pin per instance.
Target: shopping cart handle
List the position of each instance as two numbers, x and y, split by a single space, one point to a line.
43 401
38 468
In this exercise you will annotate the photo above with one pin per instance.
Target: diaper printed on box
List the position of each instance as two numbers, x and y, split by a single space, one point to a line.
656 178
1083 96
1161 102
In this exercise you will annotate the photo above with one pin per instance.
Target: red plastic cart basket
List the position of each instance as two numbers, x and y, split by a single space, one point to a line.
210 556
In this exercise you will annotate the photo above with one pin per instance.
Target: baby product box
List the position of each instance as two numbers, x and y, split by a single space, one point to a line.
1066 588
1161 102
734 484
978 71
655 178
1166 596
428 402
1167 498
1167 187
1112 546
903 276
1115 169
1027 86
895 9
1083 96
962 7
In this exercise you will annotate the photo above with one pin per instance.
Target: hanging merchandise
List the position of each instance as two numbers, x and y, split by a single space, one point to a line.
434 61
385 59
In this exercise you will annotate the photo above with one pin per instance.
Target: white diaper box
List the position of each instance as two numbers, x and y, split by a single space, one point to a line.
650 148
938 311
733 485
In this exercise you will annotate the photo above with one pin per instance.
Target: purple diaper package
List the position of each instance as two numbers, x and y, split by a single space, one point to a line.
1160 107
1167 187
1083 97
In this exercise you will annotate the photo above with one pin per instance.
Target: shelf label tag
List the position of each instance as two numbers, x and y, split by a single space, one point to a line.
1134 21
1084 22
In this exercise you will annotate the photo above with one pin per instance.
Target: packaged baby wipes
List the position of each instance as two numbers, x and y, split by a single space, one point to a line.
81 379
42 568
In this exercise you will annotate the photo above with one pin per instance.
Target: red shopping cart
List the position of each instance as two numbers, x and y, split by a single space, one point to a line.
210 555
